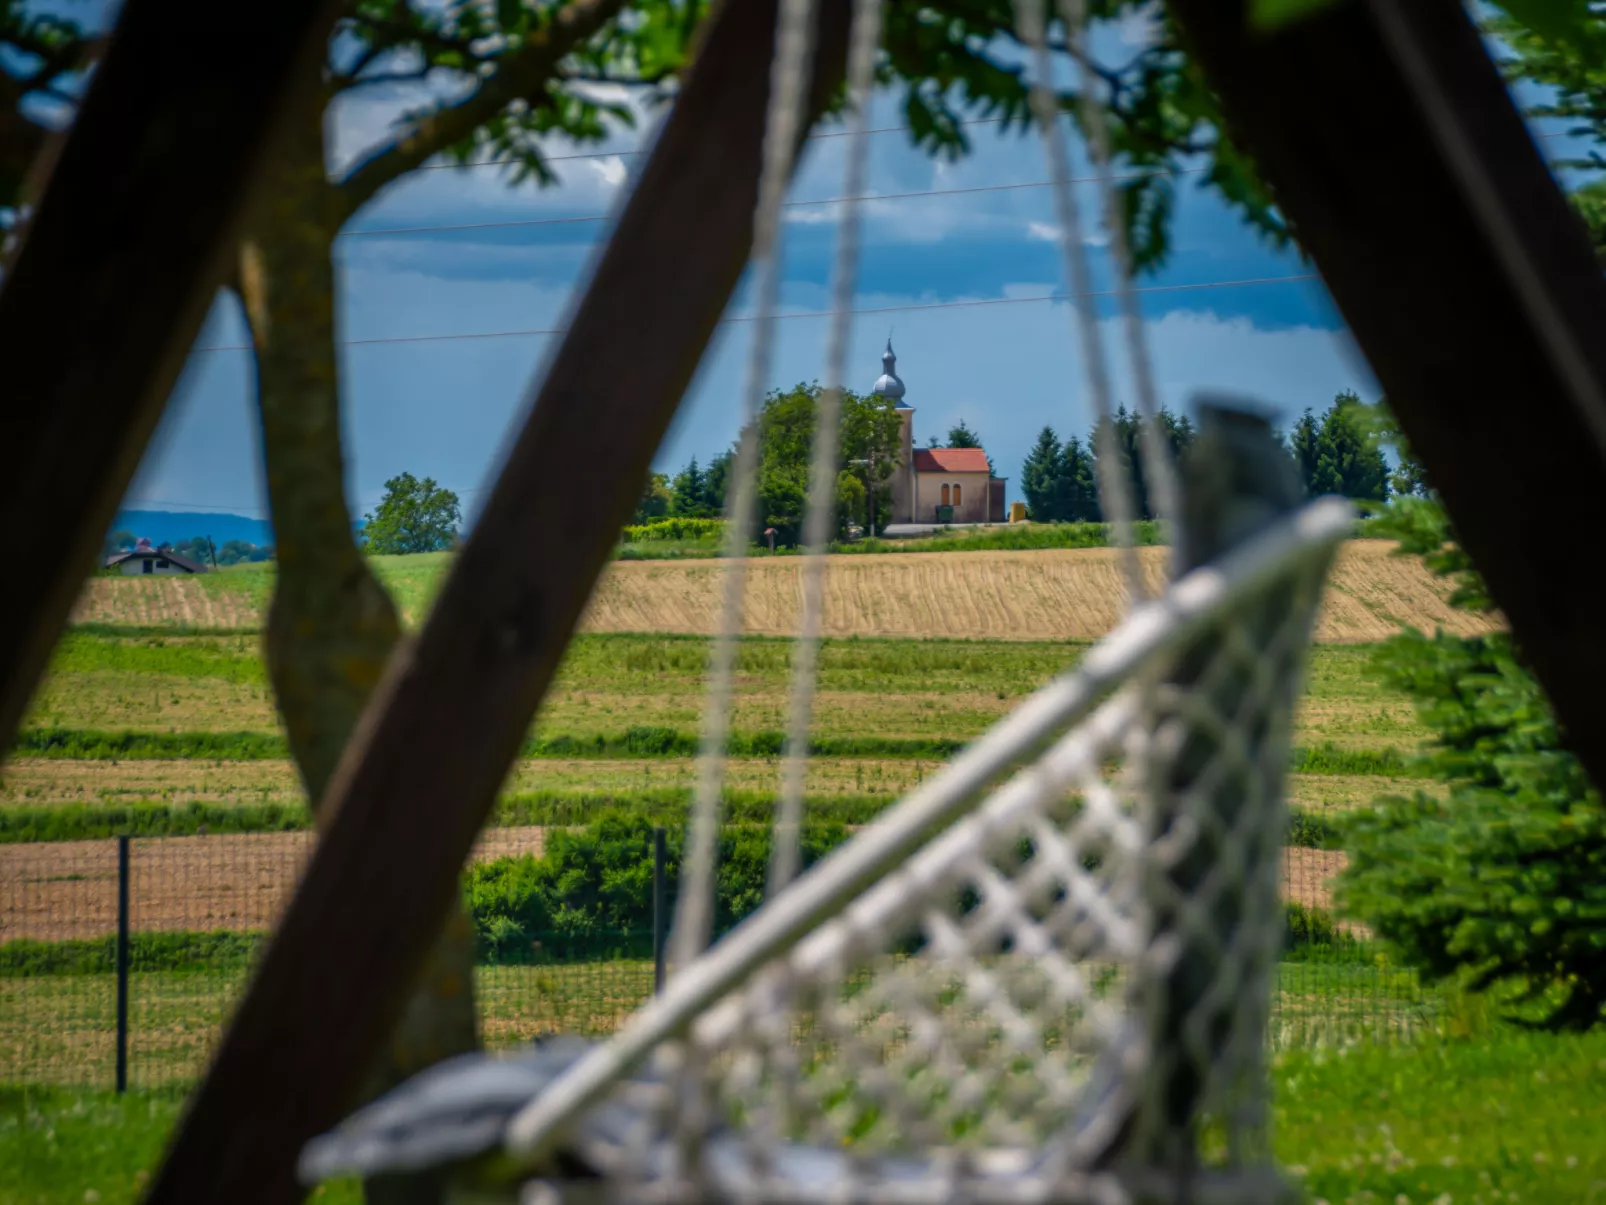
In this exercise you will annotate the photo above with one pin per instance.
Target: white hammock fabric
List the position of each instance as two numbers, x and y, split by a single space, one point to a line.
972 1002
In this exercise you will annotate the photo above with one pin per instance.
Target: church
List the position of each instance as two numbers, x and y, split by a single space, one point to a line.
937 485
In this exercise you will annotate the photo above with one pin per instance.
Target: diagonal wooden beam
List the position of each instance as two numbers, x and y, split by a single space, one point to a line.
1393 146
422 772
115 274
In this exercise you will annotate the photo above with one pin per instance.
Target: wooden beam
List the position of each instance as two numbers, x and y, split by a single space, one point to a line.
115 274
423 769
1393 147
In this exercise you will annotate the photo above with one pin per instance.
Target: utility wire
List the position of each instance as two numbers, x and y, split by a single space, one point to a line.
907 308
889 196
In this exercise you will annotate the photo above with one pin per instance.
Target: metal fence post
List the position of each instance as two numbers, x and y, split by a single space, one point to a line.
659 916
122 964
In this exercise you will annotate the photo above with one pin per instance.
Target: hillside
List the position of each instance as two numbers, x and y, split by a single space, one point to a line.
1058 594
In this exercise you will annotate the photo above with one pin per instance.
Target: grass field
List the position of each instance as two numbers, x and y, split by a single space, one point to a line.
1053 594
913 689
1512 1117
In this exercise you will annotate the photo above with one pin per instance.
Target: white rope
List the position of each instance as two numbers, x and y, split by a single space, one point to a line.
789 72
1115 486
785 858
1158 471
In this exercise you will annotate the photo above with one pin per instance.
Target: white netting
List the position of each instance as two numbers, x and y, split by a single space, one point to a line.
1058 993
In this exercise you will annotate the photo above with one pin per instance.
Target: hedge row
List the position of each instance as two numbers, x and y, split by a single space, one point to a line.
588 897
667 806
87 744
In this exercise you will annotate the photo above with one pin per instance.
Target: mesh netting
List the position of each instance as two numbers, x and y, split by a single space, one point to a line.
1059 993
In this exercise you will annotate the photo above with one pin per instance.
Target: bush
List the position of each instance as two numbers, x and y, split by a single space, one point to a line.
674 529
1502 885
595 884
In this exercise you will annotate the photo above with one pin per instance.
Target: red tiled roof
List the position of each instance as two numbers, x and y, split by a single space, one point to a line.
950 460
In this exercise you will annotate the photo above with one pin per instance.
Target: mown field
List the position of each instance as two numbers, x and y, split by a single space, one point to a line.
157 712
1050 594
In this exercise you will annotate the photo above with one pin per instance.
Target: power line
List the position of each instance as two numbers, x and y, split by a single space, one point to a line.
910 307
889 196
815 137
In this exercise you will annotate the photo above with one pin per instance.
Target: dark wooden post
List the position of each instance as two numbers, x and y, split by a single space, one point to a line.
425 764
1469 282
660 914
122 964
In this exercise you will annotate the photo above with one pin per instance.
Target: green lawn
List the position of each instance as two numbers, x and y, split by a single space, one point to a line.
111 680
1513 1117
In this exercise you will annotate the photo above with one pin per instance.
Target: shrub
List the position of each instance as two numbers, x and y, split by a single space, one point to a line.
1502 885
595 884
674 529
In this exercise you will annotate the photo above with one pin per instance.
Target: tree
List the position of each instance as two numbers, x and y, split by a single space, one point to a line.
655 499
120 540
689 493
413 516
961 436
1039 478
1564 53
40 55
870 448
1128 425
1341 452
1501 882
1057 481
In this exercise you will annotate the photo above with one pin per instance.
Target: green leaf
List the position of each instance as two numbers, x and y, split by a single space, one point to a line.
1275 14
1560 20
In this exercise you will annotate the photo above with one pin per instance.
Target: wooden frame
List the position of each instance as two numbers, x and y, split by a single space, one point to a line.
116 271
1395 150
423 768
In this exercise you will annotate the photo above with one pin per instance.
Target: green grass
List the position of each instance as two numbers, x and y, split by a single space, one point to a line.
1510 1117
1513 1117
60 1147
938 693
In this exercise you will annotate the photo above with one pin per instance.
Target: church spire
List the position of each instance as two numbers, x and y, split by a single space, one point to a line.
888 384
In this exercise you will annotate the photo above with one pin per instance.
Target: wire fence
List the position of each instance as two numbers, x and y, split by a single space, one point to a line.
120 959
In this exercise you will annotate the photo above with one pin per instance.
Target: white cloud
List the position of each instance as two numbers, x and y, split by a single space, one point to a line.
611 171
1045 232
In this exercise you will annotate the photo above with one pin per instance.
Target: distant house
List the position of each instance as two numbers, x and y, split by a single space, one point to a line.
142 558
930 481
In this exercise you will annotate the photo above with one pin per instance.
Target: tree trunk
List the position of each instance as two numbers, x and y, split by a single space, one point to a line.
331 625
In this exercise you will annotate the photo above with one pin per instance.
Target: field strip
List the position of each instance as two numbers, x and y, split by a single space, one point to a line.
67 890
63 891
1055 594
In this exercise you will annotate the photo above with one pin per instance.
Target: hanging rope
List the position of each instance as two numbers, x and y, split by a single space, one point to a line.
789 72
1158 471
1116 498
818 520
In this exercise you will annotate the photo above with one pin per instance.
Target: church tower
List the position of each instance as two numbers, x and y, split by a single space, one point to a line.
889 386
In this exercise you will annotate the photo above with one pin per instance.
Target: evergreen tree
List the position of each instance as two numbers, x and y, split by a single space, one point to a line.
1039 478
689 493
1178 430
1077 491
1304 446
961 436
715 479
1348 458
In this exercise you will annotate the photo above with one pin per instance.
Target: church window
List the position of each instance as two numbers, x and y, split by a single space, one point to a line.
956 493
945 494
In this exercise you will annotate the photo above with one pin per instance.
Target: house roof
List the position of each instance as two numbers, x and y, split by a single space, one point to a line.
167 554
950 460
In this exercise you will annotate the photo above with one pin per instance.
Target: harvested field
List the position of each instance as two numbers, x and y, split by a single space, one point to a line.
68 890
1063 594
1057 594
52 781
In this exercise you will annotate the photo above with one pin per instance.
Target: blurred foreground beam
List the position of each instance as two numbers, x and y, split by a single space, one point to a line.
115 274
424 766
1394 149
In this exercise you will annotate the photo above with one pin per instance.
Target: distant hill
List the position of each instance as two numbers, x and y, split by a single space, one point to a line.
168 527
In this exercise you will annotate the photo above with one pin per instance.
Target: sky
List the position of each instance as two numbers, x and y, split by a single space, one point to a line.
439 358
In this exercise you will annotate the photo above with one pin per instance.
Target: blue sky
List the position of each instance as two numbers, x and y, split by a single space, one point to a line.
444 407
